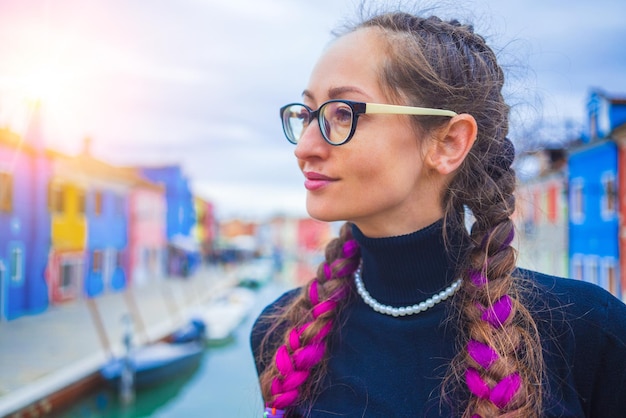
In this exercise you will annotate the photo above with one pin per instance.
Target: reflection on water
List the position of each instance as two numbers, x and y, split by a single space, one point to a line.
105 403
223 385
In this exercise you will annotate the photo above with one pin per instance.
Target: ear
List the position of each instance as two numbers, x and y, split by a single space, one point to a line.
452 144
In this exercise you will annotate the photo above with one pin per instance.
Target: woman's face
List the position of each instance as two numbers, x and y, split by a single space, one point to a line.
378 180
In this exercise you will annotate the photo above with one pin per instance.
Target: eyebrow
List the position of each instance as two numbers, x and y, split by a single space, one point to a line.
336 92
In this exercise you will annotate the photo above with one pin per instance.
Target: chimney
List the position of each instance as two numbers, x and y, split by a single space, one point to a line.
34 129
87 146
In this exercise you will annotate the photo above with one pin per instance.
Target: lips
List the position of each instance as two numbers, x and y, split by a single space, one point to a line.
316 181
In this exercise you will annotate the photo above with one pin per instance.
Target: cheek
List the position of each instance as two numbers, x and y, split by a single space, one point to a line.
387 175
385 155
392 157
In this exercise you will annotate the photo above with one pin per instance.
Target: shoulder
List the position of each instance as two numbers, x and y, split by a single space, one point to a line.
273 310
278 305
265 330
583 332
580 304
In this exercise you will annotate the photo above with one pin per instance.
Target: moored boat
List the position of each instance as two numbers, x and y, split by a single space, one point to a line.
223 315
154 364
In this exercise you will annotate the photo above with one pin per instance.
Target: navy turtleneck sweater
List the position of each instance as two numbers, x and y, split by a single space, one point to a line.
403 270
384 366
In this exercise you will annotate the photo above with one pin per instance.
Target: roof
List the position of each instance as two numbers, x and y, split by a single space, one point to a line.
93 167
11 139
613 98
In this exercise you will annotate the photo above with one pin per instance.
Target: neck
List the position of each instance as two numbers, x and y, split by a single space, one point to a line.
403 269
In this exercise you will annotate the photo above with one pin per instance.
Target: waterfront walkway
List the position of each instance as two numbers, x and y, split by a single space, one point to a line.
43 353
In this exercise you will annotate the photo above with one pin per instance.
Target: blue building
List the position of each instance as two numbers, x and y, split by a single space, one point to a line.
593 198
106 189
25 171
107 240
605 113
183 250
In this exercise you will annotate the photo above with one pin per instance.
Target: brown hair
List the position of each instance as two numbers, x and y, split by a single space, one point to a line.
433 63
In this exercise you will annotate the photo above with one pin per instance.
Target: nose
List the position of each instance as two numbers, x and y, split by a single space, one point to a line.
312 144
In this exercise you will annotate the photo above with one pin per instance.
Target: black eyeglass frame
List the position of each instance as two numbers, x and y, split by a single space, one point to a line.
358 108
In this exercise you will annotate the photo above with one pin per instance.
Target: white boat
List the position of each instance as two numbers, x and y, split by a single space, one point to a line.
223 313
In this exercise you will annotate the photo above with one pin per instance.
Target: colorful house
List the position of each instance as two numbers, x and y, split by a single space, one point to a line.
107 222
107 189
205 229
593 199
65 272
297 246
619 135
183 254
24 223
605 113
541 217
313 235
147 240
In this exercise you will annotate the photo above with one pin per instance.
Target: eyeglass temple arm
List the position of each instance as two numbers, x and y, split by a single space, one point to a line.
406 110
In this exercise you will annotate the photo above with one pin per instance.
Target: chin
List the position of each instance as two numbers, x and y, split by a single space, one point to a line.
324 212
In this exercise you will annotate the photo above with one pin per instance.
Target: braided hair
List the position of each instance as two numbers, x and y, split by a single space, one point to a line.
499 366
300 357
446 65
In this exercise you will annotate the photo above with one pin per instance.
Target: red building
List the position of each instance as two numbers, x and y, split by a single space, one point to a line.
147 239
619 134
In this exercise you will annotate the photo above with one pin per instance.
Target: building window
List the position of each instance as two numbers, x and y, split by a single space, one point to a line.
608 202
610 276
6 192
96 261
537 206
119 259
71 274
592 269
577 267
120 204
17 272
552 203
593 125
57 199
81 201
66 276
50 196
577 201
97 203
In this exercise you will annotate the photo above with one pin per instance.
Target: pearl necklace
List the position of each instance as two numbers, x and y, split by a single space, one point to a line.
403 310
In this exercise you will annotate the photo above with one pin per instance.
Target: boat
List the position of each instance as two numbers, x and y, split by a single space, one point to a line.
256 273
193 330
223 314
153 364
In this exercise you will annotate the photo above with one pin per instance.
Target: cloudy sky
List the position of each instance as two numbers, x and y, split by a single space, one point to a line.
199 82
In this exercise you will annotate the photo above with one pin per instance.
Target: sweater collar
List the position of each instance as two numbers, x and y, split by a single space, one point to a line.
406 269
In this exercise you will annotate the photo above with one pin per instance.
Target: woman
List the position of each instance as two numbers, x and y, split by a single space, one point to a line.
411 314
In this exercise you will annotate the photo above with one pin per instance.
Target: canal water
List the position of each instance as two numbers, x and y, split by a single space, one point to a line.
223 386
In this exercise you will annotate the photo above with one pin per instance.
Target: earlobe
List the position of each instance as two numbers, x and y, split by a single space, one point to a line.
453 143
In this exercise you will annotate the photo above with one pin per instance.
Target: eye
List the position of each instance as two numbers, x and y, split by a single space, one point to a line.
338 113
301 114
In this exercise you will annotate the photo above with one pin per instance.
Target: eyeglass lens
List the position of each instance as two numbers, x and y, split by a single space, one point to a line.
335 121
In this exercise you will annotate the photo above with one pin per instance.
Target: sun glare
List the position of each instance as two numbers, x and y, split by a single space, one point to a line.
45 83
41 83
46 69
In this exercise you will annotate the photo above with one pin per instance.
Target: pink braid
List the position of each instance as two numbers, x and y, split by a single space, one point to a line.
294 361
485 356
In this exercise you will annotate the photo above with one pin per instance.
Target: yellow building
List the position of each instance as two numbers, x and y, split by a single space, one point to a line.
204 230
69 229
67 210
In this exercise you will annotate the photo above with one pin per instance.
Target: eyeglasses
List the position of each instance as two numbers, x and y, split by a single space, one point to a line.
337 118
